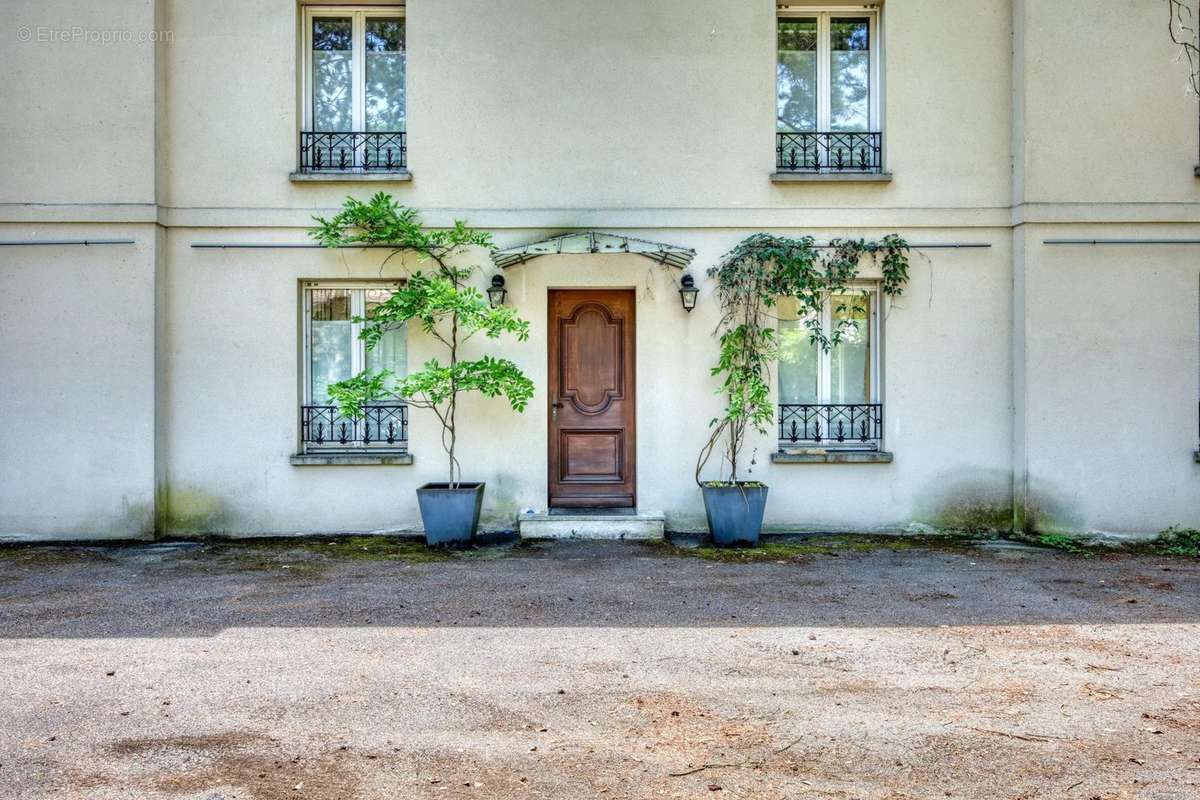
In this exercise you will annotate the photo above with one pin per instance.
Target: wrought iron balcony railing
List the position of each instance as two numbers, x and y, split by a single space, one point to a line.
382 427
857 427
829 152
353 151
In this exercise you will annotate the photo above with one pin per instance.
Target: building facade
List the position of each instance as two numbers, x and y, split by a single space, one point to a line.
1041 370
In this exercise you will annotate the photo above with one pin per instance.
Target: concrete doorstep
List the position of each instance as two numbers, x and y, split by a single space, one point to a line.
641 526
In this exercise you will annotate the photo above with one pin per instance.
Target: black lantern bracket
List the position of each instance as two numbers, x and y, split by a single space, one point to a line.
688 292
496 292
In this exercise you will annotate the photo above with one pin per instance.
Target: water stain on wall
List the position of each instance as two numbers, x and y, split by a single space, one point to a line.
191 511
983 501
973 500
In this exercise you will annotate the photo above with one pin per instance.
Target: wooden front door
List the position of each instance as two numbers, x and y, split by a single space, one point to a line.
592 398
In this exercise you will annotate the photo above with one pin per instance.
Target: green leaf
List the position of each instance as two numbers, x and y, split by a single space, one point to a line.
441 302
749 280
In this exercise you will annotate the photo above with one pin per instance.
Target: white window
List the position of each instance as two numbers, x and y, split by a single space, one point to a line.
334 352
828 70
354 76
831 397
827 91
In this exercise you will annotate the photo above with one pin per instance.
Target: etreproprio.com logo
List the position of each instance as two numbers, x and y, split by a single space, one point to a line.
78 34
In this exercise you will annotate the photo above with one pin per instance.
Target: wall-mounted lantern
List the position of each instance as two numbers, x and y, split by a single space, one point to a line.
496 292
688 292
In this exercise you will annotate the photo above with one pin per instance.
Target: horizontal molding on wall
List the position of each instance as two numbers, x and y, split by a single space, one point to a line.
531 218
628 218
62 242
622 218
79 212
310 246
1104 213
1101 242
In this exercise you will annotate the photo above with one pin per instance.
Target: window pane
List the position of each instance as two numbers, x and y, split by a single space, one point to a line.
850 360
332 343
850 92
798 357
391 353
332 78
796 75
385 74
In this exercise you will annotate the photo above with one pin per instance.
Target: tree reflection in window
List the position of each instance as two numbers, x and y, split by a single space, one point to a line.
850 70
797 75
384 107
332 74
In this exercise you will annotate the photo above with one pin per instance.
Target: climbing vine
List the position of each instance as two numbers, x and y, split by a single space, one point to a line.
1181 25
750 279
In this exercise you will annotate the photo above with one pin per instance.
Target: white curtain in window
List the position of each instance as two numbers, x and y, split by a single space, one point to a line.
847 366
850 358
391 352
331 348
799 362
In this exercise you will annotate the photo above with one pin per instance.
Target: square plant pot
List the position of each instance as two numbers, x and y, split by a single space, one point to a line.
450 516
735 514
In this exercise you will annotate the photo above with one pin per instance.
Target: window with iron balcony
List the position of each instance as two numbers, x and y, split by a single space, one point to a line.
333 314
829 400
354 93
827 95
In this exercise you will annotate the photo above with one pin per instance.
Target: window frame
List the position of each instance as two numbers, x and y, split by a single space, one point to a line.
358 63
823 15
357 289
825 359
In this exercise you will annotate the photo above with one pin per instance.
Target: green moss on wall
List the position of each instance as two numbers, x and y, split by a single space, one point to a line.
983 501
975 501
192 511
1047 511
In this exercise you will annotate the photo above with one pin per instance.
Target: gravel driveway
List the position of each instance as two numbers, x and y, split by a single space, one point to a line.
596 670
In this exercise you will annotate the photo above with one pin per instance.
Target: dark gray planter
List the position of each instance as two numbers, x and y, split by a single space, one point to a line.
735 514
450 515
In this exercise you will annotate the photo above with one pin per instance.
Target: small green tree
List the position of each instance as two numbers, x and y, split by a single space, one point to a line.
750 279
447 308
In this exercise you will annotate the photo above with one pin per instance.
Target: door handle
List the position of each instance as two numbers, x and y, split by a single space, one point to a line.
554 407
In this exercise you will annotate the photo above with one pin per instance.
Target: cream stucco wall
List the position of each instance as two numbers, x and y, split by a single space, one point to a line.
77 395
79 105
1107 112
1111 362
1065 375
572 105
233 377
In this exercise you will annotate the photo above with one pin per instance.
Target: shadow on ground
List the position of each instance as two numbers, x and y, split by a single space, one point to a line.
198 589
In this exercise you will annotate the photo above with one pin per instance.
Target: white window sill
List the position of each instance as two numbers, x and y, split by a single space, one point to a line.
326 176
831 177
816 456
352 460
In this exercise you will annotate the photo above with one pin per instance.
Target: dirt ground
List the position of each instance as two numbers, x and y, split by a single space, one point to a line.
343 671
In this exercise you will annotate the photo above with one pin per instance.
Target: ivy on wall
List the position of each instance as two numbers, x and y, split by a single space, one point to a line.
750 279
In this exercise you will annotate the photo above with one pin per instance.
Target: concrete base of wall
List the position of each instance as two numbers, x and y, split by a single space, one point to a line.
641 526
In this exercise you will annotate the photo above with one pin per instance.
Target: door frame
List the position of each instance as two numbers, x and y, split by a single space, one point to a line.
552 390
